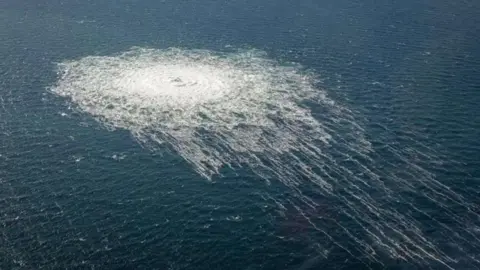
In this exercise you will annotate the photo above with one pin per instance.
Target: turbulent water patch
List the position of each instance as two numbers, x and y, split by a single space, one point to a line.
213 109
241 109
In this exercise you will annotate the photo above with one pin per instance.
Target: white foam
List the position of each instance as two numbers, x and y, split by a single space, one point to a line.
242 109
200 102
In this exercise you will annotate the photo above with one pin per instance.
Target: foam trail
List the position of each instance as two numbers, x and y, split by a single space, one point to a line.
242 109
213 109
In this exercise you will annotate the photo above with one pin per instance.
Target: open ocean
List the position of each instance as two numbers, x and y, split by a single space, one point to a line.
242 134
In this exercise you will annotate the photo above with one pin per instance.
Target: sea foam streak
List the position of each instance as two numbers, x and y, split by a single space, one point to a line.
213 109
241 109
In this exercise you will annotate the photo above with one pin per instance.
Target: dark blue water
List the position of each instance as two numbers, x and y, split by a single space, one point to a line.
74 195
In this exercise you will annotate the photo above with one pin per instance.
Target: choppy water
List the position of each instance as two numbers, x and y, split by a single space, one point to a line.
242 135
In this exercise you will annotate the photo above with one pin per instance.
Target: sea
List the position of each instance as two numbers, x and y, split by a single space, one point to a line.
239 134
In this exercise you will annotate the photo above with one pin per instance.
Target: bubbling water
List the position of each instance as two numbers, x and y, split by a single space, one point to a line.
242 109
213 109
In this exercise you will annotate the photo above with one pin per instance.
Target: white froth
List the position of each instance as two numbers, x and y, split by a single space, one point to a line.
176 84
234 100
243 110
